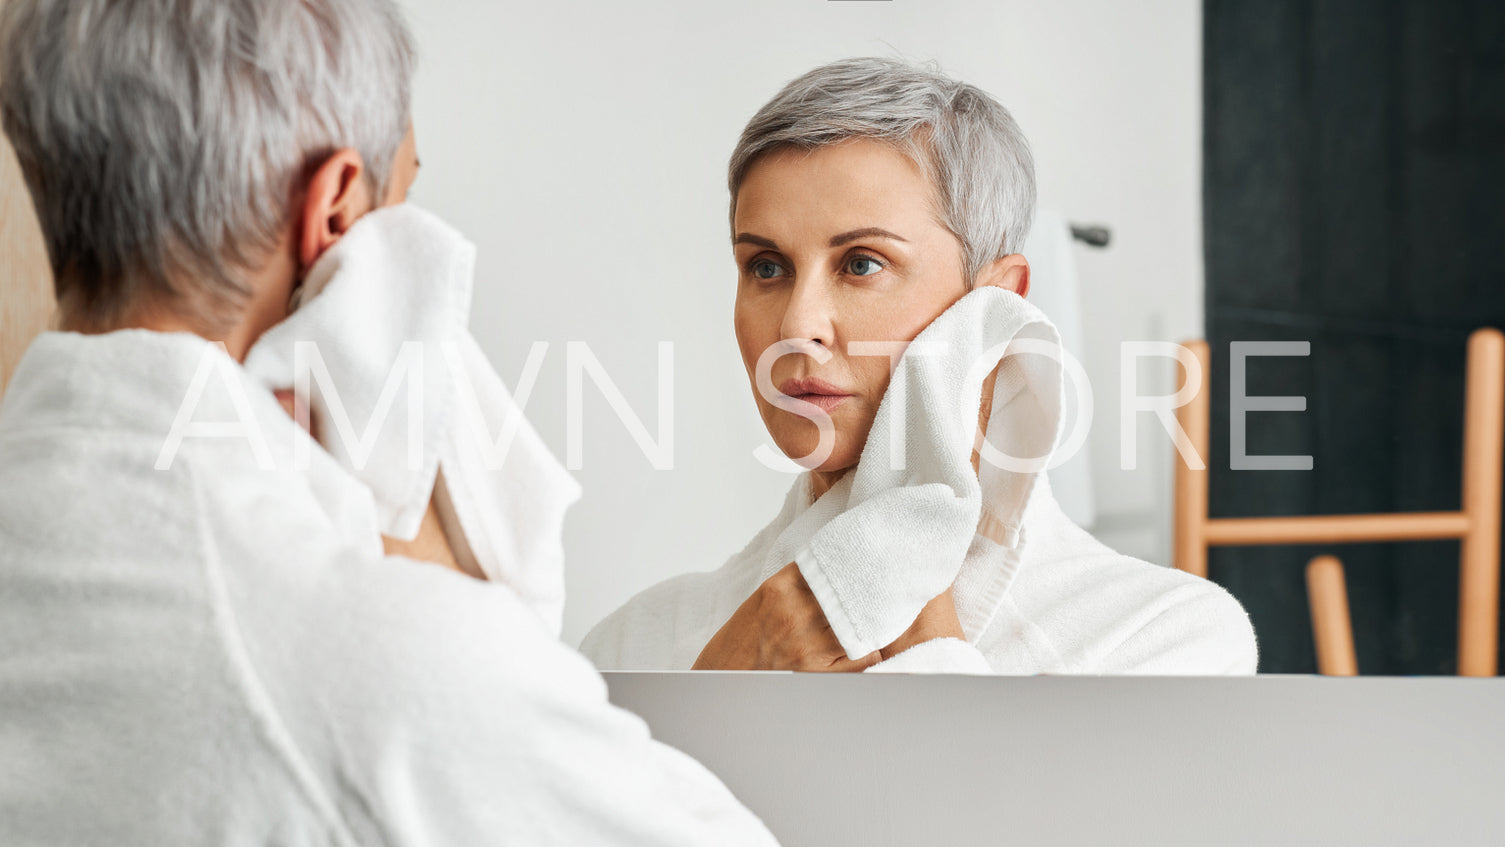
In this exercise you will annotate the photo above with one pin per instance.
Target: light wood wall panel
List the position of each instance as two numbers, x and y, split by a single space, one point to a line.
26 301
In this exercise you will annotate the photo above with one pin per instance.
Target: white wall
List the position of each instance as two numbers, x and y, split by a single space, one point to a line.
583 147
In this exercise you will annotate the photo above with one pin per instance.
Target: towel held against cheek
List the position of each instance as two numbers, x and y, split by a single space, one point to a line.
400 392
893 533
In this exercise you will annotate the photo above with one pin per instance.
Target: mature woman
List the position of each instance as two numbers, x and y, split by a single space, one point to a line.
868 198
199 648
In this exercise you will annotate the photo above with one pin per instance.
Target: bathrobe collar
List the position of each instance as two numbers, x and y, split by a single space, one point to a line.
142 383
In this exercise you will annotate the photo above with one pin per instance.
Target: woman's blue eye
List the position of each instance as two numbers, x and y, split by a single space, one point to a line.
765 270
864 266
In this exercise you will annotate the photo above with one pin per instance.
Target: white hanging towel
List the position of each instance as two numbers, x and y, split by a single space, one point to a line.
404 399
877 550
1056 291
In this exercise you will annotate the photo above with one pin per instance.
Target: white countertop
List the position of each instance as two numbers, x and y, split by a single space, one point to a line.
915 760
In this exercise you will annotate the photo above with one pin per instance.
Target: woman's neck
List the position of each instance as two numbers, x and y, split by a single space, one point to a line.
156 321
823 481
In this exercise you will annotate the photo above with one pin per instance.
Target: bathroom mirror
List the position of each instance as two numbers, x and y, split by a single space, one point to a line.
1291 171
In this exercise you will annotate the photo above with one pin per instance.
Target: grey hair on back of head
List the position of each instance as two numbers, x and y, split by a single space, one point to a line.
964 141
163 140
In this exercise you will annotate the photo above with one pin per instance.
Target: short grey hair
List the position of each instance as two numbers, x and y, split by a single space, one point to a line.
163 141
965 142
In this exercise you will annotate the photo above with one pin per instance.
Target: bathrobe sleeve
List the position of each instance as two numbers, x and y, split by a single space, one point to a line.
510 737
419 706
453 717
1197 629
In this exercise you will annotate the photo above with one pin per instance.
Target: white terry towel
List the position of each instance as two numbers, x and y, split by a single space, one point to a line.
876 549
386 308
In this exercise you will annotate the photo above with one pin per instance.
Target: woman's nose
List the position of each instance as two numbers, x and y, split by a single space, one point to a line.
807 315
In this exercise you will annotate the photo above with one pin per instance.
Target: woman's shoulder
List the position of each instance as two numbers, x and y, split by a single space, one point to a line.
651 630
664 626
1121 614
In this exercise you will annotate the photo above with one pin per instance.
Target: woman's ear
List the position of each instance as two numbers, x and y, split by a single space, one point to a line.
336 196
1011 272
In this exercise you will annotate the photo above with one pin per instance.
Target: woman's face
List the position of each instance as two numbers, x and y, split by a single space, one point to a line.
837 245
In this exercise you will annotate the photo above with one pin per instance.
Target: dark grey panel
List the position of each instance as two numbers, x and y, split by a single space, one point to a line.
1378 195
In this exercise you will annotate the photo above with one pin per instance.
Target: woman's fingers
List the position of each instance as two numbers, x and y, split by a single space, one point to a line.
290 404
845 665
780 627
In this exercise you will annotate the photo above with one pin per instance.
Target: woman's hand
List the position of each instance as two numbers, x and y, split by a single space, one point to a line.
937 620
779 628
430 545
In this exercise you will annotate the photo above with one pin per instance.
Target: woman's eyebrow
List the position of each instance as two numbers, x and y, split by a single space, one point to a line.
749 238
869 232
836 241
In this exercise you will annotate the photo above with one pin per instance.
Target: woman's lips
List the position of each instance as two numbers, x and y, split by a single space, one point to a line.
819 393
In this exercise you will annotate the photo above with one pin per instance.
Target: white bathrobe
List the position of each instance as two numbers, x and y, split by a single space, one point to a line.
218 653
1034 593
1071 606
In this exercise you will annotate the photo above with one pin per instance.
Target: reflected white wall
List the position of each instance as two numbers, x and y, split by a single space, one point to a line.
583 147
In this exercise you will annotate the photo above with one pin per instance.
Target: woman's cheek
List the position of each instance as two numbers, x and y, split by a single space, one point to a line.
747 341
873 375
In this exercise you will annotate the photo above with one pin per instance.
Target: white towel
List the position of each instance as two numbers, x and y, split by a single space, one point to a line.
1057 601
1055 290
886 540
400 275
